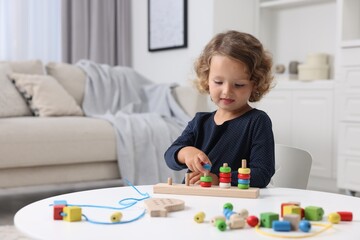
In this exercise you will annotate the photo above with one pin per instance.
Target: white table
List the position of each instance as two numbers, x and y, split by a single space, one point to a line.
35 220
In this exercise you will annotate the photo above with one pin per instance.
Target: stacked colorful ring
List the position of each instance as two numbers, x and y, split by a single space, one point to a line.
205 181
225 176
244 176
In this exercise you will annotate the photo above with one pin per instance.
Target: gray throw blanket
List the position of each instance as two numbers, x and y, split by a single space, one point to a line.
146 117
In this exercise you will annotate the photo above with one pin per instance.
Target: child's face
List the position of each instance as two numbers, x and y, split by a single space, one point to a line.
229 84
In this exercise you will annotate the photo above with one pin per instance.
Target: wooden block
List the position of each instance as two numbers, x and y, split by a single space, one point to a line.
72 214
159 207
197 190
294 220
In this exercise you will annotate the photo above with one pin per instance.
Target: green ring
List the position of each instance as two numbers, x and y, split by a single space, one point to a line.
243 186
206 179
225 169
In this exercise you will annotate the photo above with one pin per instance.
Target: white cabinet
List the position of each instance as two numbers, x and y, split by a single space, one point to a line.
293 29
302 112
347 95
302 116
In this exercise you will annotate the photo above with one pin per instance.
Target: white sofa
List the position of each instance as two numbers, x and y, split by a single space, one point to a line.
60 149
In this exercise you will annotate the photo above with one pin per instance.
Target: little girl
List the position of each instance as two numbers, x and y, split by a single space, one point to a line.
234 69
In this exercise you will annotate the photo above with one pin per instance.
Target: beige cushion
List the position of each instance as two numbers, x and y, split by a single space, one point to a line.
45 95
12 104
28 67
71 77
32 141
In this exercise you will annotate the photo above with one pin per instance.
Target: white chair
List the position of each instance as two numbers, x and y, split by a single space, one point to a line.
292 167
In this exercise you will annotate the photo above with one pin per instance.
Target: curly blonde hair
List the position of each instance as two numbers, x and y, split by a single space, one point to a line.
241 47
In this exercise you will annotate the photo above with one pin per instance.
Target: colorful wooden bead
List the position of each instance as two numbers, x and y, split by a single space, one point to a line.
346 216
334 218
72 213
252 221
58 209
214 219
236 222
243 213
199 217
304 225
228 212
221 225
116 217
228 206
313 213
267 218
281 226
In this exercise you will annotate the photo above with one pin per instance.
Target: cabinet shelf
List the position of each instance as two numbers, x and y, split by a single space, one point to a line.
350 43
290 3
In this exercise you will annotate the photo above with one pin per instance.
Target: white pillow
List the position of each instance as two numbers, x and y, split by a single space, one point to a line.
46 96
12 104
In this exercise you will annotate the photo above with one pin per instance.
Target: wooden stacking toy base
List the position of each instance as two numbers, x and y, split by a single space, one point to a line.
215 191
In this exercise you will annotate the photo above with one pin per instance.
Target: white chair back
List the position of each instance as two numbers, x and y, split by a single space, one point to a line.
292 167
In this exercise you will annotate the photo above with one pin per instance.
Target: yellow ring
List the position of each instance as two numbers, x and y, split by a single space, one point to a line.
244 170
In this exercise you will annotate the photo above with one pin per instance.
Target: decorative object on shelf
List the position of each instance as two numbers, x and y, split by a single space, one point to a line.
280 68
316 67
293 67
167 24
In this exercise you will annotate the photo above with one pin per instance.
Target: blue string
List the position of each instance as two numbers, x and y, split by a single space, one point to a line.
111 223
126 203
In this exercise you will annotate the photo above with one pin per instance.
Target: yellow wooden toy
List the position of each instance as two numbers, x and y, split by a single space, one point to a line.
116 217
334 217
292 209
72 213
199 217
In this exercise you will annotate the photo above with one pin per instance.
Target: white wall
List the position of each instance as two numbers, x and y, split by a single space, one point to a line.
171 65
205 19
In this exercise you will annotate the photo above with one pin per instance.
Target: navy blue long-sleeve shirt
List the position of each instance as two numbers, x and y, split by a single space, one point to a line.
248 136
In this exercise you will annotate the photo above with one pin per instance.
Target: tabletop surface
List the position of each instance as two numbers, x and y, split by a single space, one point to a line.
36 219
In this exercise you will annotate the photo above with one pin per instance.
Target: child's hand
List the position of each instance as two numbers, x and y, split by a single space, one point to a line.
194 159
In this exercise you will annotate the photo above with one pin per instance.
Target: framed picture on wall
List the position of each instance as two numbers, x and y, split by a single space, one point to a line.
167 24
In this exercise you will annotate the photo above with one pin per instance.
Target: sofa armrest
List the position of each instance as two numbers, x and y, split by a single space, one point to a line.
191 100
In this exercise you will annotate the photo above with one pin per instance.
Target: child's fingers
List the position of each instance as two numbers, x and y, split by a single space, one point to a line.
194 178
205 162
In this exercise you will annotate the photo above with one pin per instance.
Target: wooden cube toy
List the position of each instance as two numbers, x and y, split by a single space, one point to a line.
294 220
267 218
313 213
58 210
72 213
292 209
288 204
